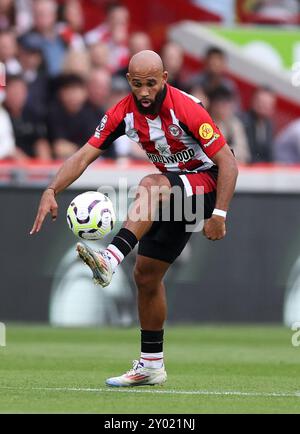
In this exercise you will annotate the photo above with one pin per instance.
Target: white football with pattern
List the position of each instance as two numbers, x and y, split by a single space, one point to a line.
91 215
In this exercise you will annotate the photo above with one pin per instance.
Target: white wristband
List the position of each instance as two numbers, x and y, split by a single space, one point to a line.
220 212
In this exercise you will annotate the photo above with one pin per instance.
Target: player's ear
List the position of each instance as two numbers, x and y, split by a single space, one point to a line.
165 77
128 77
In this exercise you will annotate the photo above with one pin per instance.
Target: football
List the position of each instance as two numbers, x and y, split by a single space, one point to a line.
91 215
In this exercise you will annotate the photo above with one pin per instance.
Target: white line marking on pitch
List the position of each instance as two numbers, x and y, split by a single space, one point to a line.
163 392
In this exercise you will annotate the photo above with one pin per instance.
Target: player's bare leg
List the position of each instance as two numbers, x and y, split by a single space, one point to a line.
148 273
152 306
152 189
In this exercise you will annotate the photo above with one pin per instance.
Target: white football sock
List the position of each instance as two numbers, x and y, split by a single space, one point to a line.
114 255
152 360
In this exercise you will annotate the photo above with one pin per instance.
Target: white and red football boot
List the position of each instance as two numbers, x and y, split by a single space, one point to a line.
139 376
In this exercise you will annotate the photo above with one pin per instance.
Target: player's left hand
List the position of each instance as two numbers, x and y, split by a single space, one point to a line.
214 228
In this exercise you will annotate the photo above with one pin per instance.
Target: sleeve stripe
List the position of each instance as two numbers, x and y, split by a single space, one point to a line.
119 131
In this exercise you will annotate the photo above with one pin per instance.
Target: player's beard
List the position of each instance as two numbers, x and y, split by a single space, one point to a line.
154 107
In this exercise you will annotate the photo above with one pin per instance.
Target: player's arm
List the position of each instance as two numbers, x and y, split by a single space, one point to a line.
214 228
67 174
111 127
227 176
214 145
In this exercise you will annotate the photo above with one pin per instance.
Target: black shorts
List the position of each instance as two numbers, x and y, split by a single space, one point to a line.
166 239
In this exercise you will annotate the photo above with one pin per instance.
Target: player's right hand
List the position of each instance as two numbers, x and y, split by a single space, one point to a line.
214 228
47 205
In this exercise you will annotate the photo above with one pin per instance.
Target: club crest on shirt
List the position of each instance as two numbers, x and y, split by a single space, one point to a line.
175 131
163 149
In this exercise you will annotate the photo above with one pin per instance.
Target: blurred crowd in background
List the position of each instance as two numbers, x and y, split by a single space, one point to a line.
60 80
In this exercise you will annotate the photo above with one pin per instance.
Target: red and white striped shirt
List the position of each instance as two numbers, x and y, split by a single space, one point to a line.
182 137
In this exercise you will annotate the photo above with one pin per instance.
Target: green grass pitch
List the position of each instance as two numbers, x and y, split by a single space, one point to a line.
221 369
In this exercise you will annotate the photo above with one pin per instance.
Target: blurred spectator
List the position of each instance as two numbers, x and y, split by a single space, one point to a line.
29 130
7 14
9 52
222 110
16 14
214 73
78 63
258 122
119 90
99 88
34 73
114 32
287 144
73 15
99 54
69 117
46 30
138 41
198 92
7 140
73 24
24 19
172 56
117 17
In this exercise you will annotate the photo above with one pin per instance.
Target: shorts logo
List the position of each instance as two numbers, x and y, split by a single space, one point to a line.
206 131
175 131
101 126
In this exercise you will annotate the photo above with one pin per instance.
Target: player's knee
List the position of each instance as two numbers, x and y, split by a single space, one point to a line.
145 281
141 277
149 181
156 186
